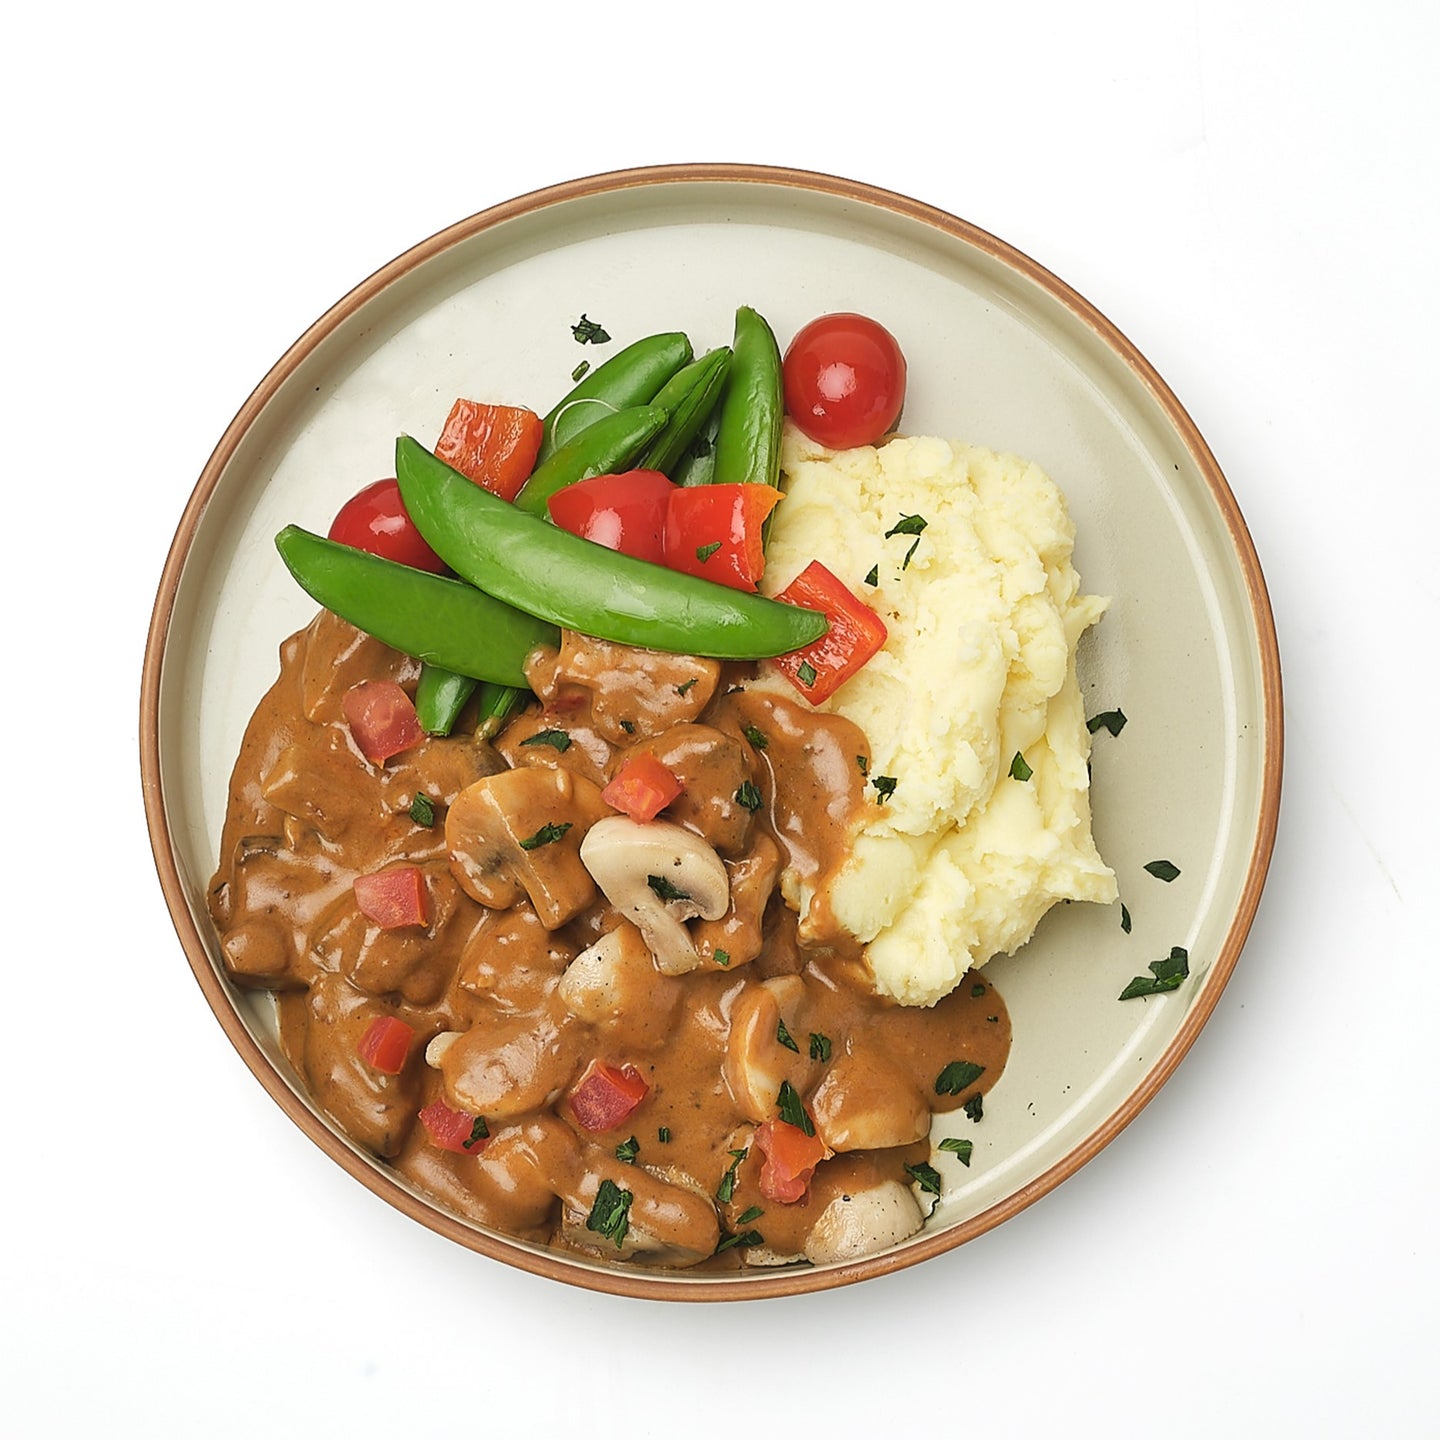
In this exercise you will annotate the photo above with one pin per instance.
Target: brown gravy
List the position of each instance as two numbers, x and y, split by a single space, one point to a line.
308 814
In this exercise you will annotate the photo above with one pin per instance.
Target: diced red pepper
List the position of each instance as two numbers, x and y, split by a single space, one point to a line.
382 719
385 1045
494 445
607 1095
393 897
642 787
790 1160
714 531
856 633
454 1130
621 512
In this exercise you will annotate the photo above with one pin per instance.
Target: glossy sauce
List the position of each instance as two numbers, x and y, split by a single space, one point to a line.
307 814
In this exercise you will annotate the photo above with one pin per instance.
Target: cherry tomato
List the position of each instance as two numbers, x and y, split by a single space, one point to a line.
621 512
844 380
376 520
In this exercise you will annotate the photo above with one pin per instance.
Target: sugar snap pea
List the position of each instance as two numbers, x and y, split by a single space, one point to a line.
441 621
607 446
440 697
690 396
752 410
548 572
632 376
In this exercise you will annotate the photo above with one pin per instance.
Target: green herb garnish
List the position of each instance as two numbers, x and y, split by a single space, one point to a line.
663 1134
478 1131
725 1190
704 552
926 1176
722 958
546 835
908 525
863 761
587 332
806 673
627 1150
1165 975
1162 870
819 1046
1019 770
873 578
884 787
755 736
556 739
422 810
610 1214
580 370
975 1108
628 726
1111 720
750 1216
784 1037
744 1238
976 991
687 687
665 890
962 1150
749 796
1125 917
792 1109
958 1075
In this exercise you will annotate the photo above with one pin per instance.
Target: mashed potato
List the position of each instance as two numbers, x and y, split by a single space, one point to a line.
960 862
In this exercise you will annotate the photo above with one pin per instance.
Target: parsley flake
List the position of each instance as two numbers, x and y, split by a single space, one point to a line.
478 1131
755 736
628 726
792 1108
750 1216
784 1037
744 1238
663 1134
704 552
977 990
884 787
556 739
863 761
665 890
725 1190
975 1108
1125 917
588 332
908 525
926 1176
683 690
806 674
422 810
1019 770
962 1150
579 371
627 1150
749 796
1162 870
610 1214
546 835
1111 720
819 1046
958 1075
1165 975
873 578
722 958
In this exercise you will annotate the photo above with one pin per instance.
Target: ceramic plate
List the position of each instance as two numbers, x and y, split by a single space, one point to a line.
1000 353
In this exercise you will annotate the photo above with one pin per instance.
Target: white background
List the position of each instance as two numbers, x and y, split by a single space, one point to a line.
1248 190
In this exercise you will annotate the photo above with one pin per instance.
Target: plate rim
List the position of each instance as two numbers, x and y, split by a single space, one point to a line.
751 1285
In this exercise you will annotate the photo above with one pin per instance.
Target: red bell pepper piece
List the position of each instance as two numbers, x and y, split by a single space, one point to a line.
385 1045
392 898
621 512
856 633
642 787
607 1095
382 719
494 445
714 531
454 1130
790 1160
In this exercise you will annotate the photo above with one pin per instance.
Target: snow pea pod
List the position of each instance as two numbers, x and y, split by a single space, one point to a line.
604 448
690 397
632 376
545 571
441 621
440 697
752 412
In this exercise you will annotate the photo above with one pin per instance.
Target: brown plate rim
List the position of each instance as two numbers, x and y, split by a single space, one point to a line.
752 1285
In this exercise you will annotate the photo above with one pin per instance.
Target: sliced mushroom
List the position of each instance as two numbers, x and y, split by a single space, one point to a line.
614 985
518 833
862 1222
757 1062
658 876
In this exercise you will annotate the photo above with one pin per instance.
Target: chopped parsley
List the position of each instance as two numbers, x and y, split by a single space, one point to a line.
962 1150
627 1150
687 687
863 761
975 1108
588 332
884 787
977 990
722 958
1165 975
744 1238
725 1190
1019 770
1162 870
926 1176
610 1214
704 552
784 1037
663 1134
873 578
792 1108
422 810
478 1131
755 736
1125 917
750 1216
556 739
628 726
579 371
546 835
908 525
749 796
665 890
958 1075
819 1046
1111 720
806 673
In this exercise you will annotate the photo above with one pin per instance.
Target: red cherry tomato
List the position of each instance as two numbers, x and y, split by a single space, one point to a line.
844 381
621 512
376 520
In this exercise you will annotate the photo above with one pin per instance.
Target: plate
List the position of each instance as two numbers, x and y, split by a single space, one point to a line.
1001 353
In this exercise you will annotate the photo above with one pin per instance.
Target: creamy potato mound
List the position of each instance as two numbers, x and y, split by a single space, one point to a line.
960 862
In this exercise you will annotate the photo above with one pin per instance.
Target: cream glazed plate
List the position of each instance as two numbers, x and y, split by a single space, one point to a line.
1001 354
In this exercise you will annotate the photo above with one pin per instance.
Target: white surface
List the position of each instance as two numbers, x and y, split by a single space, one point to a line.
1246 194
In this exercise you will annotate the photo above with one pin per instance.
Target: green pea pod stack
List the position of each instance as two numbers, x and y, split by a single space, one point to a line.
690 398
607 446
752 411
